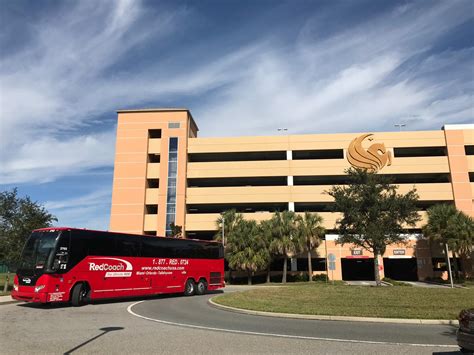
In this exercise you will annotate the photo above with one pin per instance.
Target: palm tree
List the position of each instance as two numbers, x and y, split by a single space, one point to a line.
285 240
229 219
462 229
265 231
176 231
311 231
448 226
248 251
437 227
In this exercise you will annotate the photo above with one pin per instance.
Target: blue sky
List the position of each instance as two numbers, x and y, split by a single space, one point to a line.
240 66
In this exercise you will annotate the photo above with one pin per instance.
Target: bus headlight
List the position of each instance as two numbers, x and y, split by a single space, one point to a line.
39 288
15 287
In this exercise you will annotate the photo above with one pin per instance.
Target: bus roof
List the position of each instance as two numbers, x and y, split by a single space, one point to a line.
93 230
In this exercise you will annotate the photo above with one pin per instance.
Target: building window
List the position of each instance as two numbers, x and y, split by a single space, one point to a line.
469 149
153 158
171 190
318 154
152 183
151 209
236 156
173 125
154 133
149 232
419 152
238 181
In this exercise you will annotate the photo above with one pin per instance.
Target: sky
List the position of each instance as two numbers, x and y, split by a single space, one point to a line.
241 67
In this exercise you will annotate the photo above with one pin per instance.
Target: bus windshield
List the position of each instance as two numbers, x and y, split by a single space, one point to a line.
37 250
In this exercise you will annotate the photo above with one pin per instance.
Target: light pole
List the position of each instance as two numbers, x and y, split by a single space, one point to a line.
449 266
326 250
400 125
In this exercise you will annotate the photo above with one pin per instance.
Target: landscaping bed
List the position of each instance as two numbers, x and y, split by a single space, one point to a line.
359 301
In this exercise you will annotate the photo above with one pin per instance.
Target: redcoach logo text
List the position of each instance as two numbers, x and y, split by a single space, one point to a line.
113 269
106 267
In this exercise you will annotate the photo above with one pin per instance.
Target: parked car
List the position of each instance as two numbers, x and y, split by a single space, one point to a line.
465 333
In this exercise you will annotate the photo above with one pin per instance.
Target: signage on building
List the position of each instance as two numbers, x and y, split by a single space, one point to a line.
399 251
373 158
356 252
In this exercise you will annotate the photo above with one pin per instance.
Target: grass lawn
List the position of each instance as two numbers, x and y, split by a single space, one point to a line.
362 301
469 284
3 276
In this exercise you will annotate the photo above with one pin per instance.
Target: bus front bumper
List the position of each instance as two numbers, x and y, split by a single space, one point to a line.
30 296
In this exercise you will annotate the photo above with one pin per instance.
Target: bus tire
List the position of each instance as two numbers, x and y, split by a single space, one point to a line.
201 287
78 295
189 287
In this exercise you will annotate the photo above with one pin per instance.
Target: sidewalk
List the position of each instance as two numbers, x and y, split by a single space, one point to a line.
6 300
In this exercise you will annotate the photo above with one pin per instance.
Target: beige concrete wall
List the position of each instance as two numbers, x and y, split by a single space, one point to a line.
321 167
130 193
302 193
207 221
312 141
460 165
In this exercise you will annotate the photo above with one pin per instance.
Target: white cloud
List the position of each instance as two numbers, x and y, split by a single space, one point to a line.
45 88
47 158
89 211
356 80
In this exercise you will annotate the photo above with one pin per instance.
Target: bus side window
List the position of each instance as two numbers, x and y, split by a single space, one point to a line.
102 244
151 247
127 246
78 249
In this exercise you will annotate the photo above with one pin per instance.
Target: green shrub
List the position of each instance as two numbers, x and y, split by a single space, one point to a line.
320 277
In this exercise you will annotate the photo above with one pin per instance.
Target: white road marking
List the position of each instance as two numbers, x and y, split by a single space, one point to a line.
129 310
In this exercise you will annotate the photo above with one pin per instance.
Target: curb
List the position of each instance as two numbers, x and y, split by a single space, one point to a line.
8 302
7 299
333 318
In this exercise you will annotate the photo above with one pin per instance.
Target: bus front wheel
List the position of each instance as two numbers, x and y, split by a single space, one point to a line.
78 295
189 288
201 287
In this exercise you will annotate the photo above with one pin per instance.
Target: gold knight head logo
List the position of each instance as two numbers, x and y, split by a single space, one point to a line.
373 159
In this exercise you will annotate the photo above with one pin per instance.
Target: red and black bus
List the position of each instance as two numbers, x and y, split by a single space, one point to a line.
78 265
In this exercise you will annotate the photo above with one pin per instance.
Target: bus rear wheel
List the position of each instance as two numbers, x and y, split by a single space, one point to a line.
189 288
201 287
79 295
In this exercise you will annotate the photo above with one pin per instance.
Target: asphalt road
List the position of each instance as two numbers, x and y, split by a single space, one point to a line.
178 324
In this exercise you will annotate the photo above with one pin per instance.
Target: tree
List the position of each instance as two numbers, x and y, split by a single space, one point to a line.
247 249
265 231
285 240
176 231
448 226
462 245
18 217
311 231
229 219
374 214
